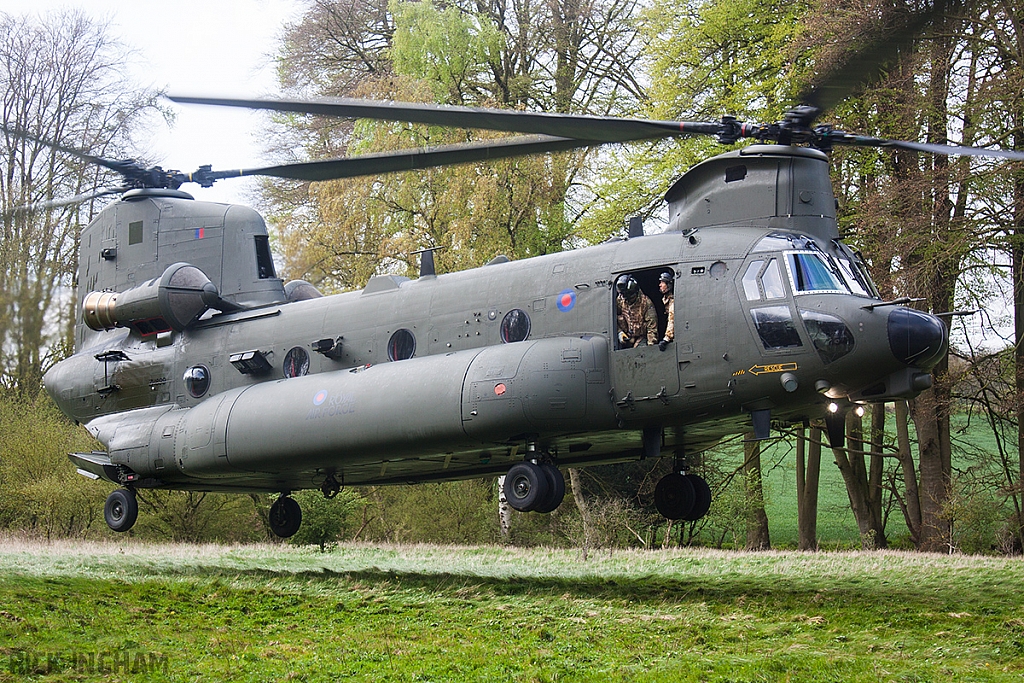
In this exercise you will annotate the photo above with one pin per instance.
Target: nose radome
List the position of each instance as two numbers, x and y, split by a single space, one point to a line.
916 338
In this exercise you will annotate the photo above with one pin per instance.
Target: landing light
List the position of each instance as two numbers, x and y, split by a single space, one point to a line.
833 408
859 411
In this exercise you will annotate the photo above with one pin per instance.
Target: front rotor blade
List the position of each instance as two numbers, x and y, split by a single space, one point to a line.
841 138
867 64
954 150
406 160
593 128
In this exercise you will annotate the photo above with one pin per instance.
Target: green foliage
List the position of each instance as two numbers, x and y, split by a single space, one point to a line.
447 48
324 520
705 60
197 517
451 512
40 493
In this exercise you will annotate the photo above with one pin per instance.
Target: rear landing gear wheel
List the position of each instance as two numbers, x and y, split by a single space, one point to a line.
285 517
674 496
121 510
526 486
556 489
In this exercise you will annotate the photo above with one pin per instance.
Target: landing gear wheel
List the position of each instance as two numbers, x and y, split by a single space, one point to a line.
674 496
556 489
121 510
526 486
702 498
285 517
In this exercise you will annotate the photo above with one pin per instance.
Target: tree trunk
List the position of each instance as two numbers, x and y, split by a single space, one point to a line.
504 512
757 518
910 503
807 488
581 505
1017 260
851 464
876 470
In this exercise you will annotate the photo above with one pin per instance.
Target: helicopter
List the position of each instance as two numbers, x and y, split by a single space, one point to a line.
198 368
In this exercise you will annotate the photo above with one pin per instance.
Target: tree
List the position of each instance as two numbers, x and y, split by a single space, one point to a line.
555 56
808 469
62 79
705 60
864 483
758 537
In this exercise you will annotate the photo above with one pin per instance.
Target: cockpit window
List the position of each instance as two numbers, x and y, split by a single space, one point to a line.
809 272
851 277
768 285
772 281
750 281
780 241
853 271
775 327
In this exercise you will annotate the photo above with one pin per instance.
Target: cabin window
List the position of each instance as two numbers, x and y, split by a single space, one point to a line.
296 362
402 345
515 326
135 232
264 262
197 381
775 326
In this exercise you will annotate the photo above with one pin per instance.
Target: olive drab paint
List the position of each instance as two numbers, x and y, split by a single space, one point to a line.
236 382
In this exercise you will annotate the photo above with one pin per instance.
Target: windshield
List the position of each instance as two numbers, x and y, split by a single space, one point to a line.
809 272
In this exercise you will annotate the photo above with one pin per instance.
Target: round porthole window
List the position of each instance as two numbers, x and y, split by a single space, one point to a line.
296 362
515 326
197 381
402 345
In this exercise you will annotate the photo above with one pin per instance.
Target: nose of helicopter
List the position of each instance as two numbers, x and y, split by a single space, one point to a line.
916 338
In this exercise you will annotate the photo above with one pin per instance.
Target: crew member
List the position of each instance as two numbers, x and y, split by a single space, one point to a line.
666 285
637 321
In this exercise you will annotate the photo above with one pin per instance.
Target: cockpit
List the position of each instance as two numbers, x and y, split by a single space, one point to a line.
781 257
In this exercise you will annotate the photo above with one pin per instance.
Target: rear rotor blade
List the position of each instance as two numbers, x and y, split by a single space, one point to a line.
592 128
67 201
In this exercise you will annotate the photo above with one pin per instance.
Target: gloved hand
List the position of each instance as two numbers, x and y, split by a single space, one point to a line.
663 344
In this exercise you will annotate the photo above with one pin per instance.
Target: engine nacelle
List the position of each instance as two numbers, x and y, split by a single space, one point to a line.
171 302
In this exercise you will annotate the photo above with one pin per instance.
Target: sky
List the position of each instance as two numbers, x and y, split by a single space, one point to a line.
197 47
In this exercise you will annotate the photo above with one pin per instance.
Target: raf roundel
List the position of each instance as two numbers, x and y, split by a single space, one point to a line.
566 300
320 397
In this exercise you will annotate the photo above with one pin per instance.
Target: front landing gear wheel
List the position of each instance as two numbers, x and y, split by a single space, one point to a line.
674 496
285 517
121 510
526 486
702 498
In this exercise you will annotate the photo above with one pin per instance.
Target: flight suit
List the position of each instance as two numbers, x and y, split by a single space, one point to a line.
638 323
669 300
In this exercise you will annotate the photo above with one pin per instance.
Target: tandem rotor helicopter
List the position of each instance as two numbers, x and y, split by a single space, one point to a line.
199 369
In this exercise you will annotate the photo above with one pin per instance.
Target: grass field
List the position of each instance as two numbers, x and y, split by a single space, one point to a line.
139 612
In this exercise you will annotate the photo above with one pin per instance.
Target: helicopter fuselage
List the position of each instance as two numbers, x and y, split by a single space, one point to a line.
464 374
